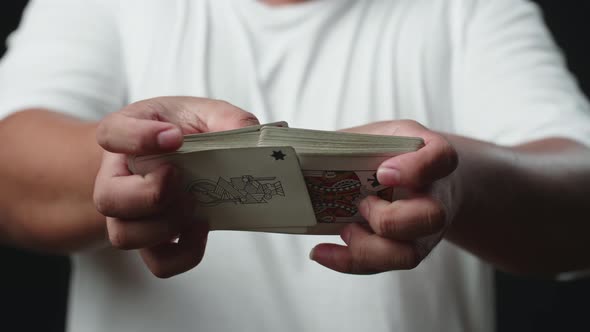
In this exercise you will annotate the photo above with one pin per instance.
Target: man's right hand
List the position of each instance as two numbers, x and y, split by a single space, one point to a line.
150 212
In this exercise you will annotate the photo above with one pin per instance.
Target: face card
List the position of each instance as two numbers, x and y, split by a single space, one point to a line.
245 188
335 195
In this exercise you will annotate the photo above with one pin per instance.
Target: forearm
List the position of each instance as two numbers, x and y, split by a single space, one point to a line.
49 163
524 208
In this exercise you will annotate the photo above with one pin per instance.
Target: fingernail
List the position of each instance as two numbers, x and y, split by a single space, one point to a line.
169 138
388 176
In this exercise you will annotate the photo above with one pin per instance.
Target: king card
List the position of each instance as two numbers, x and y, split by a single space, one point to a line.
335 195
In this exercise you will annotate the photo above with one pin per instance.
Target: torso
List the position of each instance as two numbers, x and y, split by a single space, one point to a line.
324 65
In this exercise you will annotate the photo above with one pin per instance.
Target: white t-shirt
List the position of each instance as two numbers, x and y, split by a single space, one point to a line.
484 69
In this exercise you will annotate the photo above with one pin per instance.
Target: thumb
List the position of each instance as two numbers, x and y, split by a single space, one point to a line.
419 169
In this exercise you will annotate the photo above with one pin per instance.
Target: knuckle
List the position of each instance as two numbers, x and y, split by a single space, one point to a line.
103 203
103 133
149 107
119 239
156 186
435 217
450 155
141 142
155 198
410 260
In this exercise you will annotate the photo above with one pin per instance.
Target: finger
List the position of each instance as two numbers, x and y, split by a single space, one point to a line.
419 169
121 133
220 115
196 115
147 232
390 128
169 259
435 160
136 234
134 196
406 219
366 253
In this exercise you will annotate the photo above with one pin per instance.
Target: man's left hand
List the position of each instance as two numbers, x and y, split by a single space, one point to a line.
400 234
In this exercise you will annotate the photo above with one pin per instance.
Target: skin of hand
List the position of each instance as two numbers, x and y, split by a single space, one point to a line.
149 212
400 234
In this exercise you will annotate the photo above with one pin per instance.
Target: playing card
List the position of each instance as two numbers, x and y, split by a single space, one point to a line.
243 188
218 134
335 195
318 229
271 178
336 185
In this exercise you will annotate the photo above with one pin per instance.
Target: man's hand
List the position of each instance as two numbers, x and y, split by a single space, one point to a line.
150 212
403 232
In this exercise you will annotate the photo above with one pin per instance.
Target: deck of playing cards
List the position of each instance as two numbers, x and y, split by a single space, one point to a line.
271 178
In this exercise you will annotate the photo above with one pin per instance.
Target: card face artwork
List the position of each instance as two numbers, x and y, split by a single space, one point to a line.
335 195
245 188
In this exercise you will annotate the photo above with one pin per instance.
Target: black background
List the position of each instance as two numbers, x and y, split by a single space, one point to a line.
33 287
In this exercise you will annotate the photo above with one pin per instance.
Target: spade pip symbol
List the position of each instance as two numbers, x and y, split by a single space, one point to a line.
374 182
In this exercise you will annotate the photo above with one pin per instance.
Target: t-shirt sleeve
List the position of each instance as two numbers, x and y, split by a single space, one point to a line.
512 84
65 56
